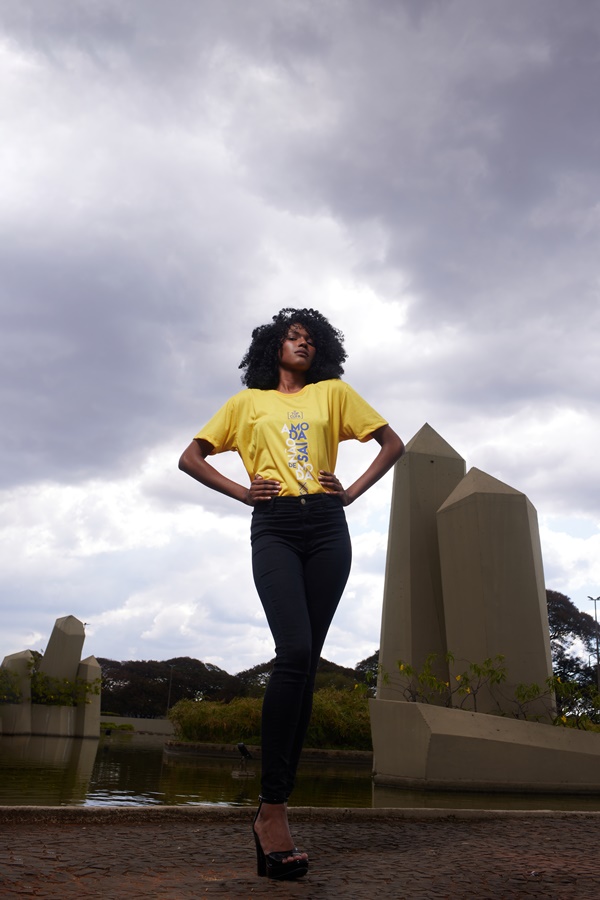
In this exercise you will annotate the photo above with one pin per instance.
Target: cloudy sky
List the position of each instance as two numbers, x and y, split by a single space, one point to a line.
424 173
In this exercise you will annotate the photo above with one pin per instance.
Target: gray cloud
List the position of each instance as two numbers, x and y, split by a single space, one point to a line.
173 174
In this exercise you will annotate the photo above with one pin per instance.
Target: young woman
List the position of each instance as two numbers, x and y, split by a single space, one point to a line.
286 427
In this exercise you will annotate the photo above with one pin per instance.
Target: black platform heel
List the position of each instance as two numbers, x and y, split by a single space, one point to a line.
276 865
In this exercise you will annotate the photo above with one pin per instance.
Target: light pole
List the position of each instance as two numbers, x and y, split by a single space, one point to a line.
595 601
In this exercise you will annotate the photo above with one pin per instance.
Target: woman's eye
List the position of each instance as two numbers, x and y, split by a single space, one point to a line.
295 337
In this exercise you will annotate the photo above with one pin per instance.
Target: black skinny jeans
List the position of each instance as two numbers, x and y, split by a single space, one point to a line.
301 557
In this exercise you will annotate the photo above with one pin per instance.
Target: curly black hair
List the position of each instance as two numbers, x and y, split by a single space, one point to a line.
261 361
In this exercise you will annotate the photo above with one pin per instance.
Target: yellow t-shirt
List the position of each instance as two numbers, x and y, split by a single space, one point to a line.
290 437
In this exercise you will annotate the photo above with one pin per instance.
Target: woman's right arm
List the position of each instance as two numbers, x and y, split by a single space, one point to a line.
193 462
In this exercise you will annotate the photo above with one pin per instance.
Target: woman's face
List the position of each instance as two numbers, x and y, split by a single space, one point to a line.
297 350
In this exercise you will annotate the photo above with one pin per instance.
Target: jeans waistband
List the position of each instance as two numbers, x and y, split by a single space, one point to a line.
300 501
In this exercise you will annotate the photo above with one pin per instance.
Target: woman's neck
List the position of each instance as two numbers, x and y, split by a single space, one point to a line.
291 382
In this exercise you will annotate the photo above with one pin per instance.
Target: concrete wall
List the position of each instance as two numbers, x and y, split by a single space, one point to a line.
423 746
143 726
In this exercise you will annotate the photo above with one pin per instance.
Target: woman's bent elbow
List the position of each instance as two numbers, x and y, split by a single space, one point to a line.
189 457
391 442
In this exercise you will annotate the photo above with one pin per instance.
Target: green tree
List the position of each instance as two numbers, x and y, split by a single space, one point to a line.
254 681
570 626
367 671
329 675
142 688
332 676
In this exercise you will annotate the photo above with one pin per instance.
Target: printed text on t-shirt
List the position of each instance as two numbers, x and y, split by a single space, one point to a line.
297 450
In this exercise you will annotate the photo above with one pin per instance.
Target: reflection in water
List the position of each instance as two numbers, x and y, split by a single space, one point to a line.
45 771
132 770
385 797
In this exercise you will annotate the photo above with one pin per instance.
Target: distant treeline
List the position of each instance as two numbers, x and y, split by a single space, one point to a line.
147 688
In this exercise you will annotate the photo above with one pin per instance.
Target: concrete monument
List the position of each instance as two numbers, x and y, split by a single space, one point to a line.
63 653
61 661
15 718
464 573
493 585
413 622
87 715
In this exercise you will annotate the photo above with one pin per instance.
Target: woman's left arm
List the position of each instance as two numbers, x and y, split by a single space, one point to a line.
391 450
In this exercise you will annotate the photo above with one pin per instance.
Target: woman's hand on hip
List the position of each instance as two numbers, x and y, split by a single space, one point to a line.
262 489
332 485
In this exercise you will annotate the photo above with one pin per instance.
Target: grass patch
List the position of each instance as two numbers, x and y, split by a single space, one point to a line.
112 726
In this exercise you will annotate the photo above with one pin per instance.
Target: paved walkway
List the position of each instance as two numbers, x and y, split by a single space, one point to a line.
174 853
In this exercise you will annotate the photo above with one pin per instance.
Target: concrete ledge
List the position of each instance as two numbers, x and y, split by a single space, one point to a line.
487 787
113 815
141 726
309 754
430 747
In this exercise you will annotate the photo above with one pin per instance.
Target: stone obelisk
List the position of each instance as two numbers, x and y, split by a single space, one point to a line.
493 585
413 610
63 653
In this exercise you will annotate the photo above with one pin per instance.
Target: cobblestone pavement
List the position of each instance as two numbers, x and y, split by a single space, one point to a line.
174 853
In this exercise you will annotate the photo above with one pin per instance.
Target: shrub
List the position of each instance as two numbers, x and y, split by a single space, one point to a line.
218 722
10 692
424 686
340 720
570 703
61 691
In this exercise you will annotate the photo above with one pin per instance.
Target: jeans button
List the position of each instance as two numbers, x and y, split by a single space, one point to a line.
303 501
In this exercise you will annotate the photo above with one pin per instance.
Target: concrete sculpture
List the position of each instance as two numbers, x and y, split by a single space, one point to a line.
61 661
413 609
493 586
464 574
